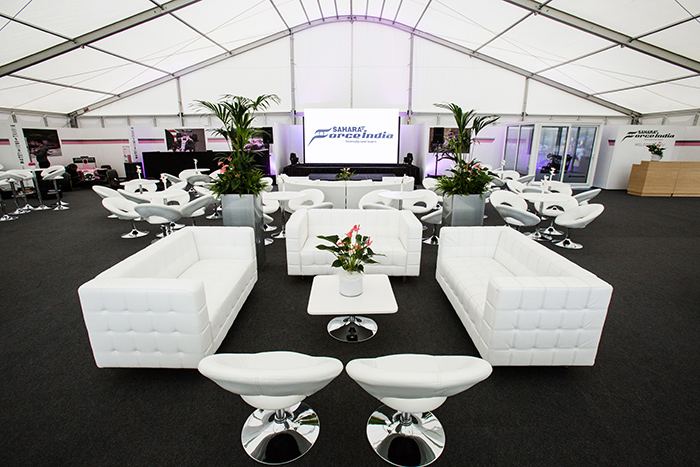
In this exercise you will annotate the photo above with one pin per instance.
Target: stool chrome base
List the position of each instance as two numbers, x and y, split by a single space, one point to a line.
277 437
7 217
135 234
567 243
352 328
405 439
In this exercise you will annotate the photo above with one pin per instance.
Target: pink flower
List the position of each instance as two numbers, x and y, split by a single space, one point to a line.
369 242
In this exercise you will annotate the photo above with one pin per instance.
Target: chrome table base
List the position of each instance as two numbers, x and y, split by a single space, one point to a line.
352 328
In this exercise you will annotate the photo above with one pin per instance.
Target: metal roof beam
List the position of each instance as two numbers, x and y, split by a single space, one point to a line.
93 36
608 34
368 19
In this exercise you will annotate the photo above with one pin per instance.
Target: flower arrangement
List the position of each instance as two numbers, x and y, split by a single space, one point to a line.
345 174
656 149
352 252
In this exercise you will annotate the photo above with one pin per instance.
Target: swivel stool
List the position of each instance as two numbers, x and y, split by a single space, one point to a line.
404 431
282 428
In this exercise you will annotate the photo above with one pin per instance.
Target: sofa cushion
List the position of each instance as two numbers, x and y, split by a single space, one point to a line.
224 283
469 279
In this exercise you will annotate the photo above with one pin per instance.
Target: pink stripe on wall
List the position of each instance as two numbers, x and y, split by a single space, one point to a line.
687 143
94 141
4 142
485 140
151 141
216 140
611 142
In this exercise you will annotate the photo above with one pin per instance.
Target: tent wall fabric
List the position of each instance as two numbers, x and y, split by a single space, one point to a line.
81 64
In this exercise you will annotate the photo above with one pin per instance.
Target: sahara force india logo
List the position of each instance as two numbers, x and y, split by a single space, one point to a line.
653 134
351 134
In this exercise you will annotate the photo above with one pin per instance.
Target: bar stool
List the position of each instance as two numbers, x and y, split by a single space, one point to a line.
23 176
12 179
4 177
55 173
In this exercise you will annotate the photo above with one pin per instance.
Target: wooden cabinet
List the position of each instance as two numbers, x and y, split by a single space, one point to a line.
665 179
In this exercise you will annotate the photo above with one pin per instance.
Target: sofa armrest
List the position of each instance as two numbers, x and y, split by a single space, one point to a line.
410 235
146 322
297 233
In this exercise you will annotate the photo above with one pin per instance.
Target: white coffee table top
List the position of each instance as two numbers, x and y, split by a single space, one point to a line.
377 297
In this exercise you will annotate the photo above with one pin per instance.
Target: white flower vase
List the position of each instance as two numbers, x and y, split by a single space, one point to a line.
655 158
350 283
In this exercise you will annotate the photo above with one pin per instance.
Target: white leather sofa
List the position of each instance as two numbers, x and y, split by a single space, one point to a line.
521 303
172 303
345 194
396 234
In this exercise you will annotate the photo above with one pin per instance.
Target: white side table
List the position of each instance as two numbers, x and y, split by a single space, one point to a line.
377 298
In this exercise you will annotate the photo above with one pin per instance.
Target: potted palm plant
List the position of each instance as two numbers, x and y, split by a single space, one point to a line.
464 187
238 182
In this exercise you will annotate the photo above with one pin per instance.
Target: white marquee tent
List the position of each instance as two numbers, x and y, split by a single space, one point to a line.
135 62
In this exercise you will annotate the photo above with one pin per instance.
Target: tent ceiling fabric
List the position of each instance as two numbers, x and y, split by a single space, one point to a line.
613 57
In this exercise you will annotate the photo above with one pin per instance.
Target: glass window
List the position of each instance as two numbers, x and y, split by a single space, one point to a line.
552 147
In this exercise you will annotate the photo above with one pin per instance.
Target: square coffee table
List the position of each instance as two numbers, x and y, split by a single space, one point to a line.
377 298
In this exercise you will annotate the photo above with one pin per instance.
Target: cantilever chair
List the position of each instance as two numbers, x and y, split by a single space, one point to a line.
124 209
196 208
282 428
585 196
159 214
577 218
313 200
403 431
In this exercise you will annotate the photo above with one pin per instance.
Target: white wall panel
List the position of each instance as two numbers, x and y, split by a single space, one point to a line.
160 100
232 23
24 41
381 59
631 17
676 39
264 70
164 43
94 70
483 21
322 66
443 75
539 42
682 94
546 100
73 17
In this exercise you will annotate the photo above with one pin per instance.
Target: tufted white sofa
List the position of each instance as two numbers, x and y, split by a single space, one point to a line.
396 234
346 194
172 303
521 303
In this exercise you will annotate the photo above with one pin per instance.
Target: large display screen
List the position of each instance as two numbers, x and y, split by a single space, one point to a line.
351 136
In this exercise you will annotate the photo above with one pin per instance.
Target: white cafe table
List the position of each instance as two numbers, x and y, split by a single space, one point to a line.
377 298
400 195
283 197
